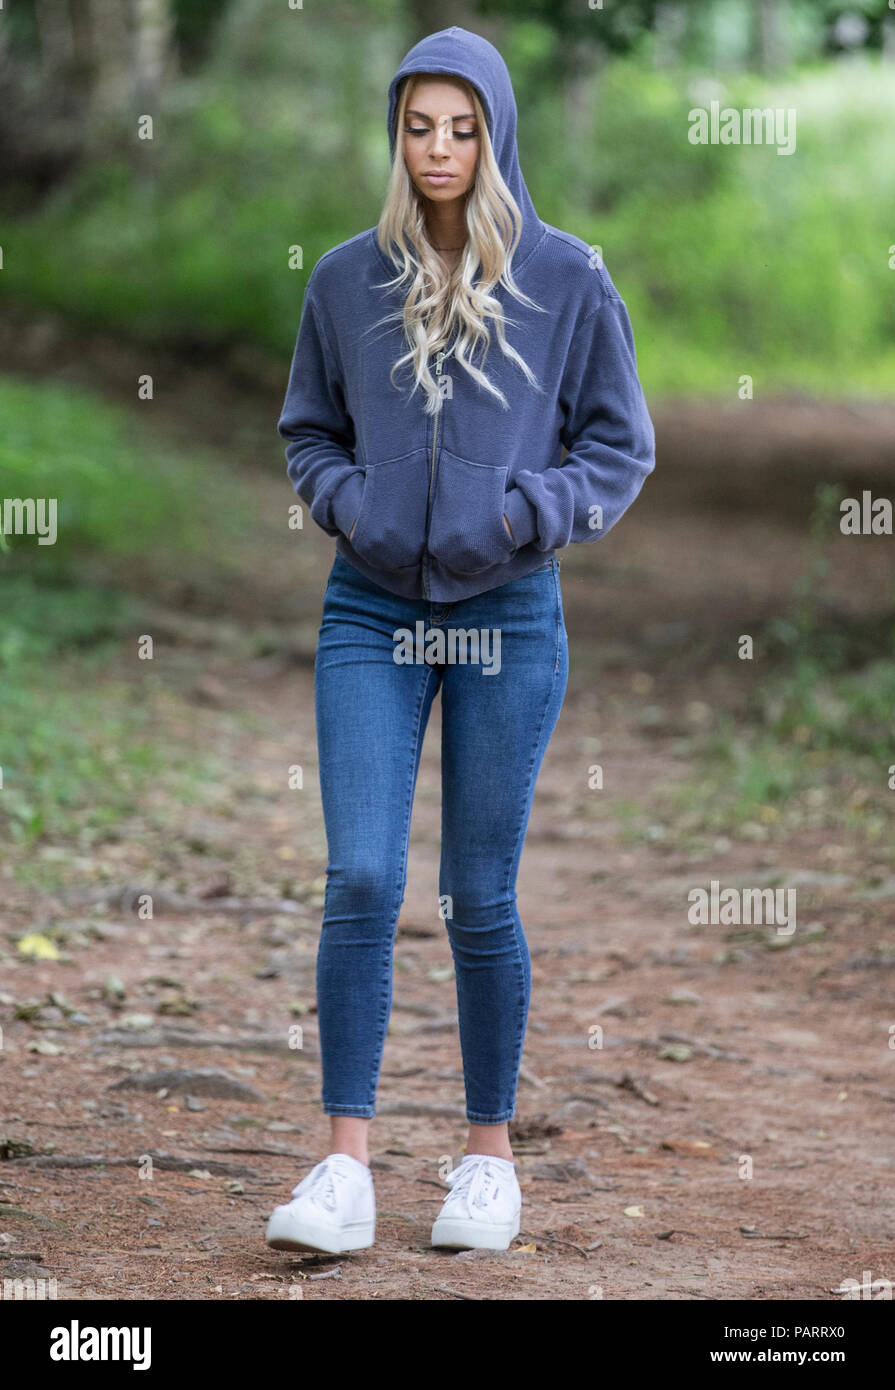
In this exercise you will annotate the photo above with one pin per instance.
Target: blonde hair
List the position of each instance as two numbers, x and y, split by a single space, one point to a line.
439 303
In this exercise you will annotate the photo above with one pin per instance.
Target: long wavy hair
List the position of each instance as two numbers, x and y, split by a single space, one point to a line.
440 304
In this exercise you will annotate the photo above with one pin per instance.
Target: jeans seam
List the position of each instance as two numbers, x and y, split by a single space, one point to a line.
517 924
558 619
389 943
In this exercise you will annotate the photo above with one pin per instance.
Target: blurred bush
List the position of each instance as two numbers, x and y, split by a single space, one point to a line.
734 260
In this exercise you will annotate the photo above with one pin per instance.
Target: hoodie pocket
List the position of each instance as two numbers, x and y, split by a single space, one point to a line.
391 525
466 529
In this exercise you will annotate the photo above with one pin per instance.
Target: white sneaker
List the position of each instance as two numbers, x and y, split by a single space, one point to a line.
332 1209
483 1209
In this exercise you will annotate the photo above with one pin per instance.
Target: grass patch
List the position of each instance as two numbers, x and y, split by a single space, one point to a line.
816 745
80 749
120 494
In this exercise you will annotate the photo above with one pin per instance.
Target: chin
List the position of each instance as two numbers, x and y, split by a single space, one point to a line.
440 195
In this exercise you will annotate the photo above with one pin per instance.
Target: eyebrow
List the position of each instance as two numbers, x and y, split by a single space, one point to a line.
424 117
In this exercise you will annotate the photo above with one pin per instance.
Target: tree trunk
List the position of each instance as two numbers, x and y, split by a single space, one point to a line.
768 34
111 39
153 44
54 35
889 37
428 17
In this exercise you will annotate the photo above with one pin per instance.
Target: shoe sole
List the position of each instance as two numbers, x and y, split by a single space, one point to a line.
459 1234
288 1233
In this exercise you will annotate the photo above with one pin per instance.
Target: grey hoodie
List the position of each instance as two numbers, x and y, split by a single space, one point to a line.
429 492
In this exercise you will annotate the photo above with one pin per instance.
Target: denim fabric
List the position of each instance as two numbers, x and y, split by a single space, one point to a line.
371 715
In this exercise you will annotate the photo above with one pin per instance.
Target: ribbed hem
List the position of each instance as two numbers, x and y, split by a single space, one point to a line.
521 515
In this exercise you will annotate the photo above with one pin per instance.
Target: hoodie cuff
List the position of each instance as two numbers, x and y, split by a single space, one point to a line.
522 516
345 502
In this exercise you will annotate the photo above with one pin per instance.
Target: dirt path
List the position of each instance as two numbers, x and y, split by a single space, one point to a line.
724 1049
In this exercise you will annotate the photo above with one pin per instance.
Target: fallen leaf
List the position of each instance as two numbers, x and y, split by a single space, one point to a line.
137 1022
179 1005
41 947
28 1009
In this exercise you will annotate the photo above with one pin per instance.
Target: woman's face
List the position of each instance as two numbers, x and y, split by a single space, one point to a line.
440 137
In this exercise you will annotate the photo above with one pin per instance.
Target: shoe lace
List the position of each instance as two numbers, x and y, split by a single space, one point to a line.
320 1185
474 1184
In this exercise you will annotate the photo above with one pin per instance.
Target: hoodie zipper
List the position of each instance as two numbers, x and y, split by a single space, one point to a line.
438 365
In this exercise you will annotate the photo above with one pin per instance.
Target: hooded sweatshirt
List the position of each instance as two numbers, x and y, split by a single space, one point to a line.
428 493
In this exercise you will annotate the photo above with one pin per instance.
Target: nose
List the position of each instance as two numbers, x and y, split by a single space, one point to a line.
443 134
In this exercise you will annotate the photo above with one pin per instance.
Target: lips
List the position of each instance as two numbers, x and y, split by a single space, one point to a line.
434 177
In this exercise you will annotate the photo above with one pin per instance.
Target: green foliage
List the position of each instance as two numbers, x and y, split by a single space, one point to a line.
736 260
77 748
73 754
816 740
72 759
80 748
41 621
733 259
120 495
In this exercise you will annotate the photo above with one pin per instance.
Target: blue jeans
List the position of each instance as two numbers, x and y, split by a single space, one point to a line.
371 714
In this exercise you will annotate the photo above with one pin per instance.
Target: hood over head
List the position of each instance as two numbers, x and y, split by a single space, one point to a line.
456 52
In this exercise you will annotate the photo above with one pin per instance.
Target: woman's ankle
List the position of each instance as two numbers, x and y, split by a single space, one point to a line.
349 1135
493 1140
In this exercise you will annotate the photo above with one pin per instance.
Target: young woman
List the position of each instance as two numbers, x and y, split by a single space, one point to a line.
442 477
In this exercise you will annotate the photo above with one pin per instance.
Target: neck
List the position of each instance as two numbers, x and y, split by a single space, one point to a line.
446 223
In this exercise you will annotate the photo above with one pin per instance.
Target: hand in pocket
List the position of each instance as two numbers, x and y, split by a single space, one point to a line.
468 531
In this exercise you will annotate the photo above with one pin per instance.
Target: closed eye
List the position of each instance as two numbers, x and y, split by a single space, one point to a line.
458 134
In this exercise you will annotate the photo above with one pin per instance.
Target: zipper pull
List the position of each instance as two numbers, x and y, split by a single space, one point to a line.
439 362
